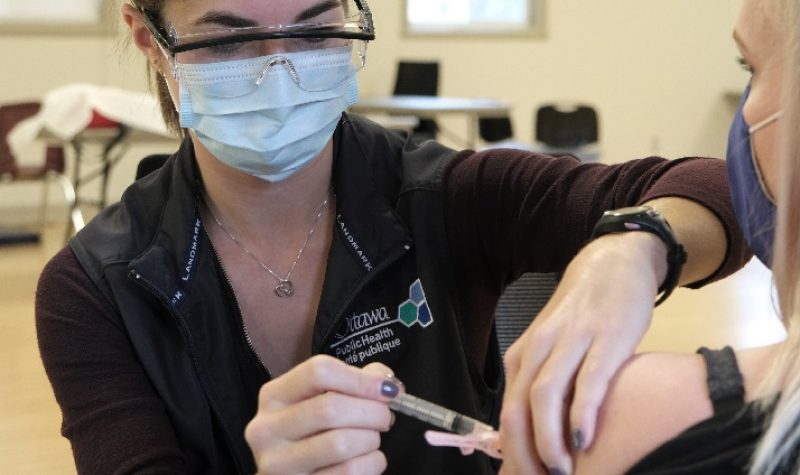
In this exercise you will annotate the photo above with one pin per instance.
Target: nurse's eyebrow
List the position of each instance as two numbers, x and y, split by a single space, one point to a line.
224 18
318 10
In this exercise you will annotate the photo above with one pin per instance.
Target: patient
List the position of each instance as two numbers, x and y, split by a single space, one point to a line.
670 413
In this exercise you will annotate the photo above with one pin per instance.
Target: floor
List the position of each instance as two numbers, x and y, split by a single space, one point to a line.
30 441
736 311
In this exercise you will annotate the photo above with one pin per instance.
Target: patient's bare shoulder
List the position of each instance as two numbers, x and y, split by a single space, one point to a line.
655 397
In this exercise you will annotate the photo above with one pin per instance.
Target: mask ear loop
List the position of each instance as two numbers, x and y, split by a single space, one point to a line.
760 125
185 113
755 128
184 105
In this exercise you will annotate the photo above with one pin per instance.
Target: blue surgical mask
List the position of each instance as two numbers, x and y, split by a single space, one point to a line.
261 120
754 207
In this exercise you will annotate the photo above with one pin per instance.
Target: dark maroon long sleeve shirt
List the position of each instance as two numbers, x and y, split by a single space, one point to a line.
529 215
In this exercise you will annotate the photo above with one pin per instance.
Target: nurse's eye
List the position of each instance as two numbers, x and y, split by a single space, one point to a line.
225 50
316 43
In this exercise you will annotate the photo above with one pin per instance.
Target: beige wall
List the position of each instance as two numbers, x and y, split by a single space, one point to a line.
657 71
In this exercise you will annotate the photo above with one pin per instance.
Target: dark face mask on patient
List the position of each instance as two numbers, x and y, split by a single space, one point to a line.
754 208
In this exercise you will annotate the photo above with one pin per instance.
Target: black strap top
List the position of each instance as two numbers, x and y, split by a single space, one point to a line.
725 383
721 444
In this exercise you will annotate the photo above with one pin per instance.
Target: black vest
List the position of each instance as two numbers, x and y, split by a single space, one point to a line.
388 296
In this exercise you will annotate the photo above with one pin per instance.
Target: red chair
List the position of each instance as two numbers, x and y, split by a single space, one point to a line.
51 169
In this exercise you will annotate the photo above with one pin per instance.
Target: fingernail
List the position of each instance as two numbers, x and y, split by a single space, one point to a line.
390 388
391 421
577 439
555 471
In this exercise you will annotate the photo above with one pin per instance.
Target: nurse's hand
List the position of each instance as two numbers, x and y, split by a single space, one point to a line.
558 371
323 416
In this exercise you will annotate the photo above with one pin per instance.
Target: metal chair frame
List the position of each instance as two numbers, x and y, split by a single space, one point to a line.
52 170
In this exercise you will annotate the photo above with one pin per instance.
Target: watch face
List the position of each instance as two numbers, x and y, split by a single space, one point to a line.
630 210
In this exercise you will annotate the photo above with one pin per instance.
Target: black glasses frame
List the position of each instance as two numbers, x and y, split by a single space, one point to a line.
163 37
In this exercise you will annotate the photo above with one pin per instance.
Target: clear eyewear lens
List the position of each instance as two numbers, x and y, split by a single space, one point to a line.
241 50
240 68
318 54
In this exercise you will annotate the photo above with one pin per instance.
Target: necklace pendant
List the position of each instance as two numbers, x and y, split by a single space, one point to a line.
284 289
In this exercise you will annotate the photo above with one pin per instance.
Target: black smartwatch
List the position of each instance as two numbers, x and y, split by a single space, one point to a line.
648 219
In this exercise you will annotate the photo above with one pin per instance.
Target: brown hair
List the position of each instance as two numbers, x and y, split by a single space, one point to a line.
157 81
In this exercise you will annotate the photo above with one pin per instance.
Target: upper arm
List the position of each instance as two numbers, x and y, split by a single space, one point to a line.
704 182
112 416
517 211
702 235
654 398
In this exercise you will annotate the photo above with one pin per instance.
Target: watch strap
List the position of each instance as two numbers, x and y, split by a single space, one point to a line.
676 255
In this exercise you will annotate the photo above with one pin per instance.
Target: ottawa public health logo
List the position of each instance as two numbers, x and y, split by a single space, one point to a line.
363 336
415 309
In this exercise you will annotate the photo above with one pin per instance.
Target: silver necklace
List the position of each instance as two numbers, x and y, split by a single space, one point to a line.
285 287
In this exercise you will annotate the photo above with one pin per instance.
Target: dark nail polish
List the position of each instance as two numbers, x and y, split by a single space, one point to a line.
577 439
555 471
389 388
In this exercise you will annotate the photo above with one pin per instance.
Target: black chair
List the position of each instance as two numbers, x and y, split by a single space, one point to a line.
419 79
495 129
519 305
150 164
497 132
572 129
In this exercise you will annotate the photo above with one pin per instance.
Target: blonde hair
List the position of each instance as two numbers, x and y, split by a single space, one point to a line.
782 437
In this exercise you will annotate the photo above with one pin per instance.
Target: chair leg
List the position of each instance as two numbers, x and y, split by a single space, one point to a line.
74 217
43 206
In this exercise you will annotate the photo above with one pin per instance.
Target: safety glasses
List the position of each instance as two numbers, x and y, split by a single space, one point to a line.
330 36
332 24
